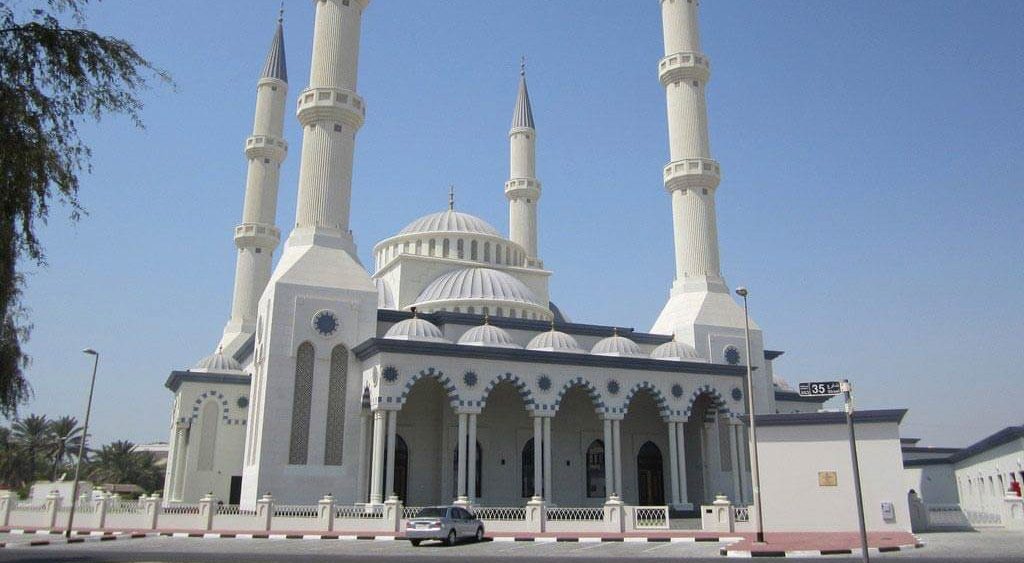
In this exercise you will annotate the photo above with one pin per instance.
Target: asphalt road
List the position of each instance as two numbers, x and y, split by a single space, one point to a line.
996 546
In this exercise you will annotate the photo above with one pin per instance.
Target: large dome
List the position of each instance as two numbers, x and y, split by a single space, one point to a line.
478 284
450 221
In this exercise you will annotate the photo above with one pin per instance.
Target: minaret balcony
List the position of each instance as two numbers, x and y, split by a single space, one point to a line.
331 104
265 146
256 235
517 188
684 66
692 173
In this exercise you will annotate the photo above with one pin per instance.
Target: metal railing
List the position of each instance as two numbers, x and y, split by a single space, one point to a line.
650 517
233 510
495 513
585 514
296 511
410 511
178 509
360 512
741 513
134 507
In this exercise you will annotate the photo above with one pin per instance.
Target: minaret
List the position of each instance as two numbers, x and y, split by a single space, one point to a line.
257 237
523 188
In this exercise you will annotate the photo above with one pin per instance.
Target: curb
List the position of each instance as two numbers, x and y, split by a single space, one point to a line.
817 552
77 537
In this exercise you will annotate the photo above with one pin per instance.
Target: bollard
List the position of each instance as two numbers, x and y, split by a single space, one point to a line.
265 510
207 508
326 512
52 508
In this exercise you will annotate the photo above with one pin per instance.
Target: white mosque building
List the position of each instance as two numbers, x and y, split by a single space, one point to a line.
447 373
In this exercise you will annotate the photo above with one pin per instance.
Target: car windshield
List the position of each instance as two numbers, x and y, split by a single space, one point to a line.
431 512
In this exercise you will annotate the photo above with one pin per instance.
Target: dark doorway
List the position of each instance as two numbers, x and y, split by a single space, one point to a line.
479 469
401 470
650 476
235 492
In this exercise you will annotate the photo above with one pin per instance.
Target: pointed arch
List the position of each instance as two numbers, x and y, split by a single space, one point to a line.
588 388
656 394
446 382
716 398
521 387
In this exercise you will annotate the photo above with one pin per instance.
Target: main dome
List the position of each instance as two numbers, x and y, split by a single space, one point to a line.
450 221
478 284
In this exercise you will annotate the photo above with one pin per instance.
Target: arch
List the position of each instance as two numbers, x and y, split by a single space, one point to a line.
521 387
208 423
302 398
588 387
365 401
444 380
335 431
595 470
716 400
656 394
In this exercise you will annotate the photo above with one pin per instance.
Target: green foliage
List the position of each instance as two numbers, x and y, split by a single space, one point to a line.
118 463
51 77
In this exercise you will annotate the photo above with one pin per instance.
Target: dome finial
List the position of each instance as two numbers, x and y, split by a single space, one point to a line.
552 325
487 319
451 197
415 315
280 14
615 331
522 66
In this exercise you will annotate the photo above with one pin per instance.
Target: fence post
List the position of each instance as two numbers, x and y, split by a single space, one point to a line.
614 520
326 512
1013 512
393 513
99 509
52 508
7 500
151 508
207 508
536 515
265 510
719 516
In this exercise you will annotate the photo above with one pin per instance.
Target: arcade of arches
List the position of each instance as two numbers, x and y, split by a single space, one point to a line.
577 463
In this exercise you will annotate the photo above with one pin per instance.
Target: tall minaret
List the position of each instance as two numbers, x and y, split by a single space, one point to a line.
257 237
523 188
700 311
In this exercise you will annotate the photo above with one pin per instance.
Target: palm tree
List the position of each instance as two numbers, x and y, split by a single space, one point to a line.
13 467
34 438
67 435
119 463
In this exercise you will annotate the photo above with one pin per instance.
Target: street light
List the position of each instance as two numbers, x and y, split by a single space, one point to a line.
756 478
85 435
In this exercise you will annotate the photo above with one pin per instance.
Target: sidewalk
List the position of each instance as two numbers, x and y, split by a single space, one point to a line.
789 544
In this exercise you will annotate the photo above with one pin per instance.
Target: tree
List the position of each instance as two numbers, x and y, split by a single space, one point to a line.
34 437
67 438
51 77
119 463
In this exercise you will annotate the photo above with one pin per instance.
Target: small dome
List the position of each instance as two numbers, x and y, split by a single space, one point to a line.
617 346
450 221
674 350
488 335
482 284
554 341
217 362
416 329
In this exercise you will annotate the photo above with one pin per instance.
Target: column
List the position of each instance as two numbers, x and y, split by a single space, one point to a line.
548 493
609 474
538 477
365 453
460 487
377 477
180 458
389 472
673 460
617 437
471 460
737 483
681 462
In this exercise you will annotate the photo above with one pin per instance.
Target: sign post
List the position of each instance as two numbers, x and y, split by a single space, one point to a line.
831 389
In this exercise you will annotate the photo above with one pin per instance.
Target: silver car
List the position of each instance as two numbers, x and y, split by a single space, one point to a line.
446 523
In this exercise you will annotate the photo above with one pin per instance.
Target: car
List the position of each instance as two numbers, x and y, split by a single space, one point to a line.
445 523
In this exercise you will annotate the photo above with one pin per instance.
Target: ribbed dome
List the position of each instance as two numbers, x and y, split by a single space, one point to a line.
617 346
415 329
217 362
478 283
555 341
450 221
677 351
488 335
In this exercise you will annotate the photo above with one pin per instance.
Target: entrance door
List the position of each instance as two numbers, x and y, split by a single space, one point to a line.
235 492
650 476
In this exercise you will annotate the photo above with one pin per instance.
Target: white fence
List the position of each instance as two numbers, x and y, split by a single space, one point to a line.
650 517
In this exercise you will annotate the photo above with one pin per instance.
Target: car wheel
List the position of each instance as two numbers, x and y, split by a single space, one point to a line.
451 538
415 543
479 534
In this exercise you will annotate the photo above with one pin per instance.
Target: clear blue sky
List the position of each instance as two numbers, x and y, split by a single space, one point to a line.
872 196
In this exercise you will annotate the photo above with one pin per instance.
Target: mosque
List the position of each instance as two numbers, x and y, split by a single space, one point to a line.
447 373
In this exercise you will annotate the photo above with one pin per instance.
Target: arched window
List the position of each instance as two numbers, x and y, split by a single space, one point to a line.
498 313
507 257
445 248
595 470
471 310
419 247
208 435
487 311
336 406
527 465
497 253
472 250
460 247
487 252
302 395
650 475
479 469
432 248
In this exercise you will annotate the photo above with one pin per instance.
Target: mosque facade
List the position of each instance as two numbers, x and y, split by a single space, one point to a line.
446 374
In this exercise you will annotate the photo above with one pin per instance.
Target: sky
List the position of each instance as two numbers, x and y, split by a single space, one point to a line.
871 198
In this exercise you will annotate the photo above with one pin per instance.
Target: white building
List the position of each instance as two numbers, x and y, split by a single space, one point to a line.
447 373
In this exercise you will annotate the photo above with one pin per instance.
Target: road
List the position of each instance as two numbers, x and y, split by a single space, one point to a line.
996 546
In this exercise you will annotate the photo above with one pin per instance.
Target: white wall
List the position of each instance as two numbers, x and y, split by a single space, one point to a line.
936 484
983 478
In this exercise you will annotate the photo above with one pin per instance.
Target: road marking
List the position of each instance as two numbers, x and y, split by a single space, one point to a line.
592 546
659 546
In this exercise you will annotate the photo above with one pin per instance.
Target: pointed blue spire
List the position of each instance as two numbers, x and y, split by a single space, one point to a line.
523 115
276 66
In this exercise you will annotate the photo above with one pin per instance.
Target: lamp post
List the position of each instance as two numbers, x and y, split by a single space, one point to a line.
755 475
85 435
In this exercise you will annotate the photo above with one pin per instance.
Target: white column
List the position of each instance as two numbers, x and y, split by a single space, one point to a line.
617 437
389 471
178 469
538 477
365 453
681 462
673 457
609 472
471 460
377 477
548 493
735 443
460 486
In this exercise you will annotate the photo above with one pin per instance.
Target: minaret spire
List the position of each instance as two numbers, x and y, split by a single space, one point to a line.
257 237
523 190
